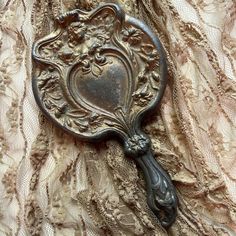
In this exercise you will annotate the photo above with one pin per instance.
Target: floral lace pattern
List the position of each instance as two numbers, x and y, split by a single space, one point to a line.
52 184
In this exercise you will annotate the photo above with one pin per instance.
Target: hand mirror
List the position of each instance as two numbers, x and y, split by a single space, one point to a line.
97 75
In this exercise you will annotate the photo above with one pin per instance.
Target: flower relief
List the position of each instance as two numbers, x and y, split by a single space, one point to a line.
76 33
101 28
52 96
74 39
79 39
51 49
132 35
85 43
142 95
148 78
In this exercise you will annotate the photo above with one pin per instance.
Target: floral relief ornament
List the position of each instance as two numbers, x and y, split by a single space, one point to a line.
98 74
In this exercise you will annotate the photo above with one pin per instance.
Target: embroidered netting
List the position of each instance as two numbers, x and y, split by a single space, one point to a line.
53 184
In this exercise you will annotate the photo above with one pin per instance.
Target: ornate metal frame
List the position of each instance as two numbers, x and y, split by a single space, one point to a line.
97 75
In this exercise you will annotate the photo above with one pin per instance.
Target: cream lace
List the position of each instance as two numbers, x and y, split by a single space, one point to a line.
52 184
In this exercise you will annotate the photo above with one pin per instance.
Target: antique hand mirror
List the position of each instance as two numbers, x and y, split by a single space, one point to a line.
98 74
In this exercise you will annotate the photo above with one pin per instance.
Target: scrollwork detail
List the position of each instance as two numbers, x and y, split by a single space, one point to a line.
53 99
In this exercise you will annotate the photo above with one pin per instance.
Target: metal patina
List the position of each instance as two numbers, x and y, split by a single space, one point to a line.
97 75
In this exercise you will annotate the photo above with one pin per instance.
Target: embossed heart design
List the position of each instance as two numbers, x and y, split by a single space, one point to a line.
102 85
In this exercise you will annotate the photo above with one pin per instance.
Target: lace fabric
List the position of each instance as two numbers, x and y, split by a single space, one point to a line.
53 184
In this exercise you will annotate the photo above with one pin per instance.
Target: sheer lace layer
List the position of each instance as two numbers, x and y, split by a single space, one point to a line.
52 184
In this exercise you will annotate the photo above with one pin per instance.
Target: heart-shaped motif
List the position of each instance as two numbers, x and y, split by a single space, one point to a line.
104 87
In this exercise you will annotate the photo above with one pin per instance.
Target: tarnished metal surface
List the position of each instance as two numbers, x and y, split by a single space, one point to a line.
98 74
